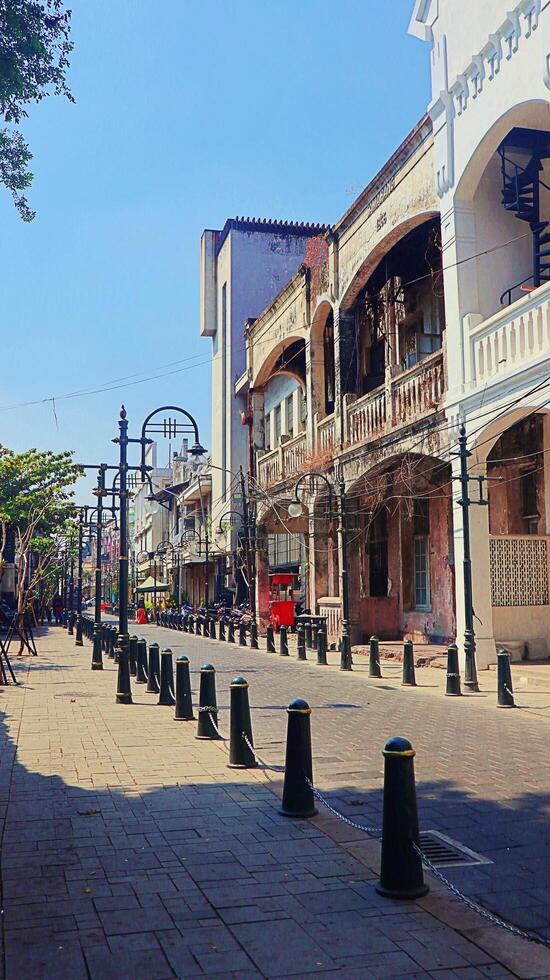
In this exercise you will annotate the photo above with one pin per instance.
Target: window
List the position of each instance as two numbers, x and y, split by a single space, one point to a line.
301 410
277 426
378 555
290 415
421 573
421 516
267 430
328 350
285 549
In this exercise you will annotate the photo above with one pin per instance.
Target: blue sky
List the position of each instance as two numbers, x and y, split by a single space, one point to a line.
186 113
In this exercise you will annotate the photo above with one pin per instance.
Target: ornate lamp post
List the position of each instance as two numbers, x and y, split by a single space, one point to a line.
249 526
295 509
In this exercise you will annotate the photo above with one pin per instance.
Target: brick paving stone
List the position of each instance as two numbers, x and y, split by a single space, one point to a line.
141 964
284 949
131 849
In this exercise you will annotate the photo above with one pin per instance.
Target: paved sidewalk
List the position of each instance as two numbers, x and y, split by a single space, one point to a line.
129 849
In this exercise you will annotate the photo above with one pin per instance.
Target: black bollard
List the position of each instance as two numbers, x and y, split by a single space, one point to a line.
283 642
401 874
242 633
321 647
308 634
198 626
231 632
453 673
166 695
141 661
97 653
184 704
185 624
301 642
298 799
213 629
103 634
123 690
221 630
190 623
241 755
114 643
78 642
374 658
133 655
253 635
207 700
153 670
505 696
70 622
270 639
409 679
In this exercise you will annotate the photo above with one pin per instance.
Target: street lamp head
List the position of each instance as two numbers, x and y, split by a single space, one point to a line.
197 450
295 508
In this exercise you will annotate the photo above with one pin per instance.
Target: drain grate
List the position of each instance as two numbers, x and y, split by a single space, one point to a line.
447 853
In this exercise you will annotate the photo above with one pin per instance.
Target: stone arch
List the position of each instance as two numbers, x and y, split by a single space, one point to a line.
489 234
322 359
533 113
373 257
274 362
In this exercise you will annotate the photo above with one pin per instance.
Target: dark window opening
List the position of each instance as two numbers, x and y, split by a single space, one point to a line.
421 516
378 555
328 350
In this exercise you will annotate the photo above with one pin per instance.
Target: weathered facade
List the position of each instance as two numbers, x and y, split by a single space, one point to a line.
360 330
491 117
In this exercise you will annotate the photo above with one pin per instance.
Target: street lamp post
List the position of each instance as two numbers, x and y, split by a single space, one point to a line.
295 509
248 525
169 427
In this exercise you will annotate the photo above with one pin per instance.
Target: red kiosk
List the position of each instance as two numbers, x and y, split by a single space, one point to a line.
281 600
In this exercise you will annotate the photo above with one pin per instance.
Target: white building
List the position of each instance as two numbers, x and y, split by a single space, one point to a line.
490 65
243 267
151 520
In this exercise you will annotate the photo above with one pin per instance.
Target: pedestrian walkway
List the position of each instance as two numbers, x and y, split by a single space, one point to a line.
129 849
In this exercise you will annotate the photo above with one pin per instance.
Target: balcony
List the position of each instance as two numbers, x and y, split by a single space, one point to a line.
408 397
285 461
511 339
325 434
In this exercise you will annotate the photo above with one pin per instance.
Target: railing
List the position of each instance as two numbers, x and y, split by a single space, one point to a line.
269 468
325 434
294 454
283 462
405 398
418 391
331 607
366 417
511 338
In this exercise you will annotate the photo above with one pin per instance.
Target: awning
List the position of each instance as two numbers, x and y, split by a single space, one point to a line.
149 586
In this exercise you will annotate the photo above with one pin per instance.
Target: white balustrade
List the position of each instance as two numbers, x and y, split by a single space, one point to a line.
285 461
325 434
512 338
417 392
366 417
331 607
294 454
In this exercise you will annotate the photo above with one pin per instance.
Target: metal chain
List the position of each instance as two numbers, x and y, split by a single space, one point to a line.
262 762
469 902
484 913
322 799
213 723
